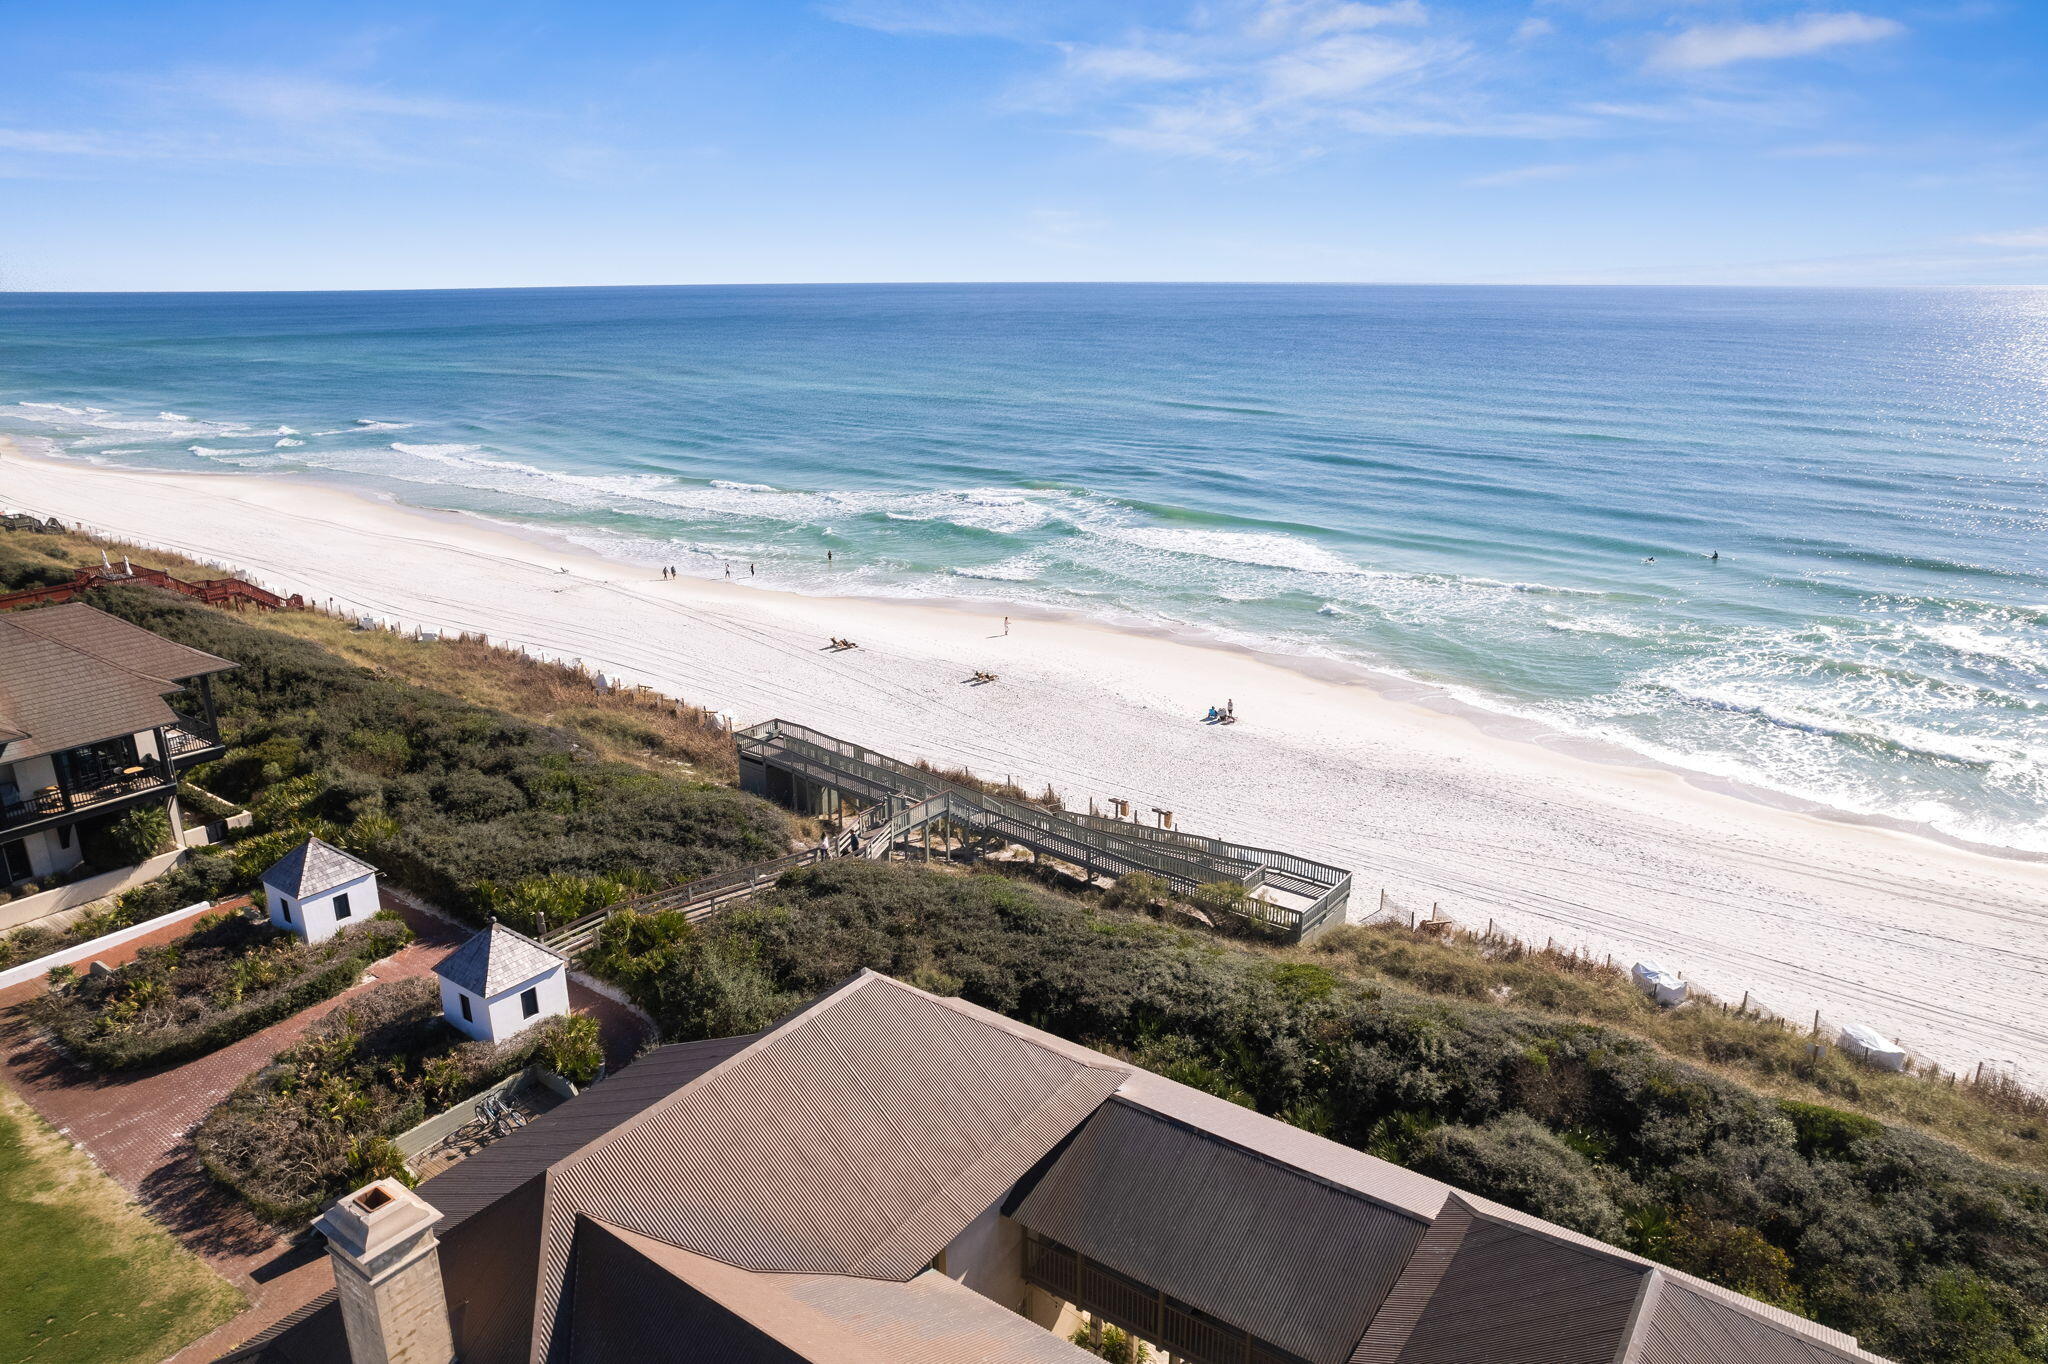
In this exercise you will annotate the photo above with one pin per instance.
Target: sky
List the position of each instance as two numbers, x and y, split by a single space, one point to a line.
176 145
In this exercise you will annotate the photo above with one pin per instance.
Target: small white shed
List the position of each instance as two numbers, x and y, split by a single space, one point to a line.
500 982
316 890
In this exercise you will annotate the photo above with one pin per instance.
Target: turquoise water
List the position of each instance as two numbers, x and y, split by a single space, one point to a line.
1458 485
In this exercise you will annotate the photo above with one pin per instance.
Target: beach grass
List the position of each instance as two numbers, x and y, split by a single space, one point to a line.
1993 1117
96 1281
628 725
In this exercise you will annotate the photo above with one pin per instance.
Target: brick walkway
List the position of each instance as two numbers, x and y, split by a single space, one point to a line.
137 1127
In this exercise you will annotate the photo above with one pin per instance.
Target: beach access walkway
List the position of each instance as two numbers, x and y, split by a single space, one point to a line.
815 773
881 806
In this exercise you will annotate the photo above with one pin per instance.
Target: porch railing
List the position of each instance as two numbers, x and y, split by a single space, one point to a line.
75 797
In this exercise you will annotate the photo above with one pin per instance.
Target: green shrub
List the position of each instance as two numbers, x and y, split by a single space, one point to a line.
444 796
140 834
229 977
570 1046
379 1064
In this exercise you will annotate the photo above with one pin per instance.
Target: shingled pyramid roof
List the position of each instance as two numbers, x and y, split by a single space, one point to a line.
496 959
313 867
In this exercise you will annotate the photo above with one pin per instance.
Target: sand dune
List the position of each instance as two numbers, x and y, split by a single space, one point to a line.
1941 946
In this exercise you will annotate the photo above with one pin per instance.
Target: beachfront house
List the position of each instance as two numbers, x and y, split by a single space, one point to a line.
894 1177
316 890
97 717
501 982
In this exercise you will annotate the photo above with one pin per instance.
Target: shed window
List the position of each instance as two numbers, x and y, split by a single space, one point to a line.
284 909
529 1002
463 1000
341 906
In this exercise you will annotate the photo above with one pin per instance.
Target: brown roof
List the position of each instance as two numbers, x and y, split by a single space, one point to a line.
1293 1259
119 643
824 1318
70 675
691 1197
858 1137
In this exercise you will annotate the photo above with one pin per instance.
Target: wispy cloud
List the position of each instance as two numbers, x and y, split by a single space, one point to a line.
1524 175
1715 45
210 115
2037 236
1279 80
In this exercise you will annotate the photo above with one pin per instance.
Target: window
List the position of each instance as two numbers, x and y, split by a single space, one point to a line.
463 1000
64 837
529 1002
14 860
341 906
284 908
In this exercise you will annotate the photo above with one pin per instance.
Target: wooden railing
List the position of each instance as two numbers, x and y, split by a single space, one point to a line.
212 591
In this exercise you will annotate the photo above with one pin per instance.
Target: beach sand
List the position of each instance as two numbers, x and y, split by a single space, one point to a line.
1941 946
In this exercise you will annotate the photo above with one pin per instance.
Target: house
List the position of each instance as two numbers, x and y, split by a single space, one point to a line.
500 982
316 890
97 717
893 1177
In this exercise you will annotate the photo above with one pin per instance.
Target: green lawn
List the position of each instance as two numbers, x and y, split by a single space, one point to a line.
89 1279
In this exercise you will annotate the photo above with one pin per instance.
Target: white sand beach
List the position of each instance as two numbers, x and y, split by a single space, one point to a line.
1943 947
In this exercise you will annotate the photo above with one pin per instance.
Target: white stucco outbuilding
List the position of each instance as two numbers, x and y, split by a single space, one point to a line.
316 890
500 982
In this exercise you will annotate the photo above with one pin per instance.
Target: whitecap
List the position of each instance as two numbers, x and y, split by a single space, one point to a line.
172 417
286 443
732 486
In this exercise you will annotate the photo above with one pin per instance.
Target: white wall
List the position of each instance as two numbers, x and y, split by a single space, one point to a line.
988 1257
313 918
500 1016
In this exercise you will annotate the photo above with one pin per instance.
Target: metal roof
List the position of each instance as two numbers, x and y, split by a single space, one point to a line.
497 959
845 1147
859 1137
826 1318
56 693
1293 1259
313 867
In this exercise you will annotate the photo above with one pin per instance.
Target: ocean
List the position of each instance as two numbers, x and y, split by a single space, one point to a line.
1512 494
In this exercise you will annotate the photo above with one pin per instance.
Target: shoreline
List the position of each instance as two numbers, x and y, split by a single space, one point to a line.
1937 941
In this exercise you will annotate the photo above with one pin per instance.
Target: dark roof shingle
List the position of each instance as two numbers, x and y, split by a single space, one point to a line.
314 866
495 959
70 675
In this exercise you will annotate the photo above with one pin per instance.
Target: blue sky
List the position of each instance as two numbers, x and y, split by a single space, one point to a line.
176 145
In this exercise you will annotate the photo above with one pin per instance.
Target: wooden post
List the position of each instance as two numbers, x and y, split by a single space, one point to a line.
1816 1022
1745 1003
1980 1074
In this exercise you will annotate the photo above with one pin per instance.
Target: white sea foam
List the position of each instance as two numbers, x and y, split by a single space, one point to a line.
1261 549
172 417
374 424
738 487
287 443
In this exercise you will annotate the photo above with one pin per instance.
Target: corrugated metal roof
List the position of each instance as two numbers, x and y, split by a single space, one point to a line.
1292 1258
497 959
311 1334
834 1319
1509 1295
858 1138
1684 1325
528 1151
314 866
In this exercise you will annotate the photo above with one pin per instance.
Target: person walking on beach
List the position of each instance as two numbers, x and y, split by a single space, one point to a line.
1006 625
828 556
750 570
728 570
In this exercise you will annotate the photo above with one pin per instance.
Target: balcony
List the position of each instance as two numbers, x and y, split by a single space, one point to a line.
104 792
191 740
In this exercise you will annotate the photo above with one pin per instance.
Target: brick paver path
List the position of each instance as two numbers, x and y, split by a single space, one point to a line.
137 1127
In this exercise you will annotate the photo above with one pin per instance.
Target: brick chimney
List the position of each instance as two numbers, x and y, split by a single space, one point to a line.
387 1273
